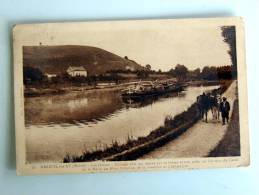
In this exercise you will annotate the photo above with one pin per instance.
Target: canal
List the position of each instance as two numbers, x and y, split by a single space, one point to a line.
74 122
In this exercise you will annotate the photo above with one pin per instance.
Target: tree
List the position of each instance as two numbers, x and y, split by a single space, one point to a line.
142 74
197 71
172 72
224 72
229 35
115 77
194 74
209 73
180 71
148 67
31 74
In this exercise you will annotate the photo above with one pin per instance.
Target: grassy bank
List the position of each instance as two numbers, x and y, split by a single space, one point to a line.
230 144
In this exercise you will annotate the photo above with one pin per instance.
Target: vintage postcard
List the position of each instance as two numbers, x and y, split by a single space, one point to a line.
131 95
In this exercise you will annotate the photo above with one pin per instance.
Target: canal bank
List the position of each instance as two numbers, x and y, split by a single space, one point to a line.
200 139
71 123
37 91
134 149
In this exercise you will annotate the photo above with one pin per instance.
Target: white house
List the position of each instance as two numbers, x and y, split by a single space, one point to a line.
50 76
77 71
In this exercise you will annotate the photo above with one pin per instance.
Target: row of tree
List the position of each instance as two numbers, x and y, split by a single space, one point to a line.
33 75
182 73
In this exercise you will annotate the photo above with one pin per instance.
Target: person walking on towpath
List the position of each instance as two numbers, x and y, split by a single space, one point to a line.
203 103
224 109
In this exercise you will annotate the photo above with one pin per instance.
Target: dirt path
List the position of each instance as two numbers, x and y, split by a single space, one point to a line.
200 139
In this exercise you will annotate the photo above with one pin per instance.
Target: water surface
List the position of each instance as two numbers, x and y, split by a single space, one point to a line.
78 121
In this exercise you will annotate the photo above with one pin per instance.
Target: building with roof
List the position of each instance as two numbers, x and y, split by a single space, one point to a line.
75 71
50 76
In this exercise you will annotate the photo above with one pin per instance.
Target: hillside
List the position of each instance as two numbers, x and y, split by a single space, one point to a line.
56 59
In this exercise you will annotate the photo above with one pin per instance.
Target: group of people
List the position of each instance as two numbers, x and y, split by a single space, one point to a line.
215 103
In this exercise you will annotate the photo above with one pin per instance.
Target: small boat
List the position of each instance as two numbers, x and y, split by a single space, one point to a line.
145 90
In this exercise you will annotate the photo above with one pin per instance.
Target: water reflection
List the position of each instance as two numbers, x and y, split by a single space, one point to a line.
129 103
71 108
76 104
95 120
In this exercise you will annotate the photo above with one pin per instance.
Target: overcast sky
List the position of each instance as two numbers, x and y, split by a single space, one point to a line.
161 44
164 49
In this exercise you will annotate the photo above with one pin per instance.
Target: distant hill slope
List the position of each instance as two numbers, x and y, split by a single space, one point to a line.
56 59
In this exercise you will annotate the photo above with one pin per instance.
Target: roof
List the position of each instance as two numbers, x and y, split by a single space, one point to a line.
76 68
50 74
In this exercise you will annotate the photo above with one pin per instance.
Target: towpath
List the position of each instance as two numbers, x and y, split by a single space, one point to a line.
199 140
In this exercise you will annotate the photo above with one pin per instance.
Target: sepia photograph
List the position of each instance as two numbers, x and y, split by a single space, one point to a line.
147 92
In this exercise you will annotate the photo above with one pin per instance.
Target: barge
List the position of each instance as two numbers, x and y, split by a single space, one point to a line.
145 90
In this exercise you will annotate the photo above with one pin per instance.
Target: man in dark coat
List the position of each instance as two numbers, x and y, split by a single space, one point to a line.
224 109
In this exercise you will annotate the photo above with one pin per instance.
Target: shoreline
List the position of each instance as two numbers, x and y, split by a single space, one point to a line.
133 149
200 139
34 91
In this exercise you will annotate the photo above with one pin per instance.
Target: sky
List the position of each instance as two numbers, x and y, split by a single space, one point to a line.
195 48
162 44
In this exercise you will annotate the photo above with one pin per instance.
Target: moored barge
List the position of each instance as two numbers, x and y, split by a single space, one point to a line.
144 90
